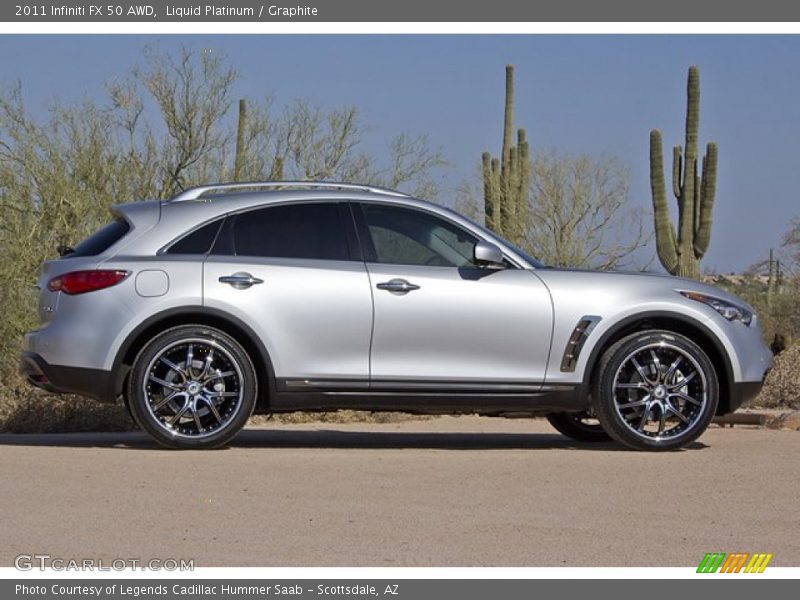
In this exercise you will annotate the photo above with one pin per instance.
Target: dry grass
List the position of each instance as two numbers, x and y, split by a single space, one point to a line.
337 416
27 411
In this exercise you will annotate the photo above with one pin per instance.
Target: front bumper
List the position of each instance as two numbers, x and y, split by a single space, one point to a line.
59 379
742 392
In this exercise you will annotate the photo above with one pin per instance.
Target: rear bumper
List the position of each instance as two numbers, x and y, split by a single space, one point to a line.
58 379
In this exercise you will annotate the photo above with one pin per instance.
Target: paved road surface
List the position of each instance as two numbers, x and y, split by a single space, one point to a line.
444 492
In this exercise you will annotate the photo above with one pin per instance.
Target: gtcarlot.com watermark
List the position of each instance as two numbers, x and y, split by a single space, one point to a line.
44 562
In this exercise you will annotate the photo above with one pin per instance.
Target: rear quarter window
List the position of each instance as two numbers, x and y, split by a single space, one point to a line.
101 240
198 241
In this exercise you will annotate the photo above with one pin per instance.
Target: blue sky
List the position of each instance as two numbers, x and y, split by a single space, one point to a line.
592 93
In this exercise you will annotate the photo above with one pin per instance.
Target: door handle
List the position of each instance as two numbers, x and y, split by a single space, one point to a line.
397 286
240 281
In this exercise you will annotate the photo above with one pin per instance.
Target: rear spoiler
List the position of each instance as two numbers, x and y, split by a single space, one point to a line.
139 215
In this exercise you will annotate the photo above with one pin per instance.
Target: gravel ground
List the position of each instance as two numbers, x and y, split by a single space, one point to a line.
454 491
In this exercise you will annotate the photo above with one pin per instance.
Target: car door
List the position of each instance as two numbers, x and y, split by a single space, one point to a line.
441 322
287 270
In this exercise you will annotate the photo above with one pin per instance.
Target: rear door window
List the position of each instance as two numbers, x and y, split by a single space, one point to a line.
308 231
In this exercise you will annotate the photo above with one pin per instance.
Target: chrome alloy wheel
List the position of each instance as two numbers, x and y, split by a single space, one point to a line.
660 391
193 388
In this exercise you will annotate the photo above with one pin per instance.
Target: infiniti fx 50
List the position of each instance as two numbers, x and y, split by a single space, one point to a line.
276 296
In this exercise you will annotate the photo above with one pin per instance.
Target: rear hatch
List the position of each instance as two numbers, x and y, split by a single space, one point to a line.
48 300
129 222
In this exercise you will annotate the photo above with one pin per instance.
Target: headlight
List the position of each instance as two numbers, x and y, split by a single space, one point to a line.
732 312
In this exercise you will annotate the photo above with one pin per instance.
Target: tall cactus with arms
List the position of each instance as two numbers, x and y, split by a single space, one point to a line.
681 253
505 180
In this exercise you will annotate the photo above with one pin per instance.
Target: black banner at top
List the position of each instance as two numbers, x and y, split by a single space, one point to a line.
404 11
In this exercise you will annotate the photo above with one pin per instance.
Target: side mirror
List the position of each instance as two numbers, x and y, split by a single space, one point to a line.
488 255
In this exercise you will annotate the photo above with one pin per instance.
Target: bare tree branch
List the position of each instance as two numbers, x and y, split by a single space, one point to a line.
579 213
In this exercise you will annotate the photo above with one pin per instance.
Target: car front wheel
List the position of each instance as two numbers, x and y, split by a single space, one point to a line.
655 390
192 387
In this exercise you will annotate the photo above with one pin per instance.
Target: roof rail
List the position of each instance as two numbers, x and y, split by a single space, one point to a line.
196 193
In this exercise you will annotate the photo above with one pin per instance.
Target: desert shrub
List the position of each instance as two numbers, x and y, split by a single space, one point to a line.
778 313
782 387
166 126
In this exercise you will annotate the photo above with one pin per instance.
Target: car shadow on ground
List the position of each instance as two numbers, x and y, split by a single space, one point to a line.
334 439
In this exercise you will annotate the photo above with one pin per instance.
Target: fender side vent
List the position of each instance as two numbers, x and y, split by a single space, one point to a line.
576 341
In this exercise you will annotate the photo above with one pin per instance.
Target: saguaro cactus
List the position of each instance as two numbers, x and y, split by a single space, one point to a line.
681 253
238 164
505 180
771 277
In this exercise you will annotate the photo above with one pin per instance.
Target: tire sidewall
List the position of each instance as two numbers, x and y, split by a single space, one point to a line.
603 390
581 432
137 400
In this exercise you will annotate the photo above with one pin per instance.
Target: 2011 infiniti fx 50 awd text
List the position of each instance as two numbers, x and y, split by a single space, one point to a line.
268 297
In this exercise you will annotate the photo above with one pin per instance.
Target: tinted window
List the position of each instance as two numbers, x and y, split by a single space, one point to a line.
312 231
197 242
410 237
101 240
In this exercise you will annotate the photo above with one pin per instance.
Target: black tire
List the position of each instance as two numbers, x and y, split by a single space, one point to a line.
202 406
674 375
575 426
129 411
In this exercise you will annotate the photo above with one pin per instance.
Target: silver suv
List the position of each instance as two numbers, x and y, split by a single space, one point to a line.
270 297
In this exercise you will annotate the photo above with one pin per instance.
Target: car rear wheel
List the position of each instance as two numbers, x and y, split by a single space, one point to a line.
192 387
581 426
655 390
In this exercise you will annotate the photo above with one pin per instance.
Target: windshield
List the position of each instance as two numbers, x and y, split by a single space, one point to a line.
534 261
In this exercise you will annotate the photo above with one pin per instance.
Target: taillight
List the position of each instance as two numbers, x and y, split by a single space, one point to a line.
80 282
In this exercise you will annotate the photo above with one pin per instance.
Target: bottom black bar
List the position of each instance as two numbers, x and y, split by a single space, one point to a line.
391 589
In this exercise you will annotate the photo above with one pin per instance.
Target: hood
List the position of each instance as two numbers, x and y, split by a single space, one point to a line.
627 283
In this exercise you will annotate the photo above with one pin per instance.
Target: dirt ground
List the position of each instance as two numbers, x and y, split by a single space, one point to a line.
463 491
